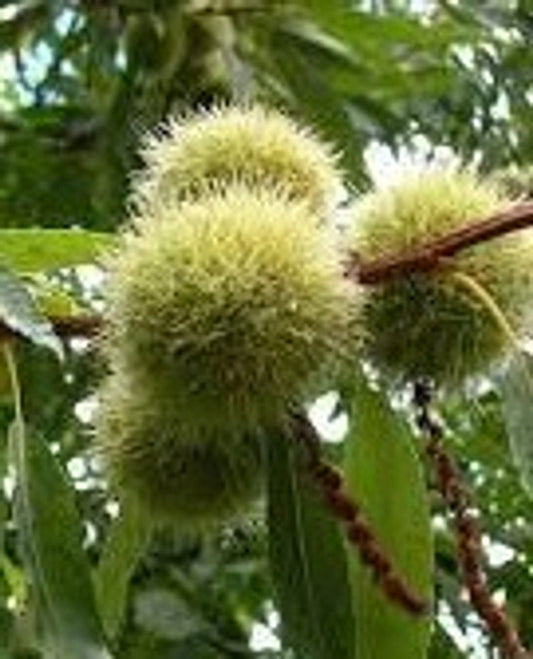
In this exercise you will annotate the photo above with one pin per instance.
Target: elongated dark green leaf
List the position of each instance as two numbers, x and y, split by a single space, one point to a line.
33 250
517 402
385 477
19 312
125 544
51 537
308 561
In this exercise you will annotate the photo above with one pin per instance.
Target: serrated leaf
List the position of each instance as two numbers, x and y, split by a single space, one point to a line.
517 406
34 250
308 560
384 475
125 544
19 312
51 539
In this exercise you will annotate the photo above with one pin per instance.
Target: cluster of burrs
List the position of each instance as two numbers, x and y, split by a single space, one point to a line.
226 299
230 295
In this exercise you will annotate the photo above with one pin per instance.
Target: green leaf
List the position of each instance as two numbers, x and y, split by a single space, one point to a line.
33 250
51 538
517 405
20 313
54 301
308 560
384 475
124 546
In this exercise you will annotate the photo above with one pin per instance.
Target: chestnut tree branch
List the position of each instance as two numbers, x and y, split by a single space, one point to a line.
424 258
430 255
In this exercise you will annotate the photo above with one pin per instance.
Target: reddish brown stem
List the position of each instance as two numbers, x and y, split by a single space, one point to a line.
467 530
85 325
358 531
430 255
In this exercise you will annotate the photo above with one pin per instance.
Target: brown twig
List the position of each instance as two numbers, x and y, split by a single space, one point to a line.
85 325
430 255
67 327
466 529
358 530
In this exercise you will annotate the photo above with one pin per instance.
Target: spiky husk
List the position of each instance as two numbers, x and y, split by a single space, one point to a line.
252 144
175 473
430 324
237 308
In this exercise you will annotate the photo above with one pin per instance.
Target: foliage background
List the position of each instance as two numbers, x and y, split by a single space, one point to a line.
81 81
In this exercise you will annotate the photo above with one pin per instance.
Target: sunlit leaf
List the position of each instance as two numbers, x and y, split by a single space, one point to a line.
31 250
19 312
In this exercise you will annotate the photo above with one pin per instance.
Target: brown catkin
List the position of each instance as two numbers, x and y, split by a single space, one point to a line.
357 529
466 528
